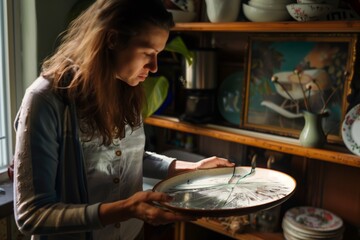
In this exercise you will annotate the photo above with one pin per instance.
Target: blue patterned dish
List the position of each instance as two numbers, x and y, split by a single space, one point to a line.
229 97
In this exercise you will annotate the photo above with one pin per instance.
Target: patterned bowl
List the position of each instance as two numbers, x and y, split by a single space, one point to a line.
303 12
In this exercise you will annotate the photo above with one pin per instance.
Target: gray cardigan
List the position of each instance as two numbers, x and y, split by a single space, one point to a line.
50 198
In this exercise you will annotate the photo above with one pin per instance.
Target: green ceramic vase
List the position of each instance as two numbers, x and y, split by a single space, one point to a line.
312 134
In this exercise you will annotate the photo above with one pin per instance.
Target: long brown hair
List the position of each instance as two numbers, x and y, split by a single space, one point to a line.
104 104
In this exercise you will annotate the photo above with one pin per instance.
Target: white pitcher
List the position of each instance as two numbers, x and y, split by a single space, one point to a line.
222 10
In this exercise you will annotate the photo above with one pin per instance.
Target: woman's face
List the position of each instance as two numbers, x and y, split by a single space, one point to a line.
140 56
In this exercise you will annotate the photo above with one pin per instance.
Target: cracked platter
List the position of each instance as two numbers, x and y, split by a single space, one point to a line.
218 193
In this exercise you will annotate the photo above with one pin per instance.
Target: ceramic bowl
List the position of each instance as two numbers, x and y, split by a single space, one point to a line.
182 16
303 12
222 10
256 14
274 4
311 1
280 2
267 6
331 2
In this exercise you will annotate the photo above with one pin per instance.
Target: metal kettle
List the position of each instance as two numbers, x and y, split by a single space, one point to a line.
201 74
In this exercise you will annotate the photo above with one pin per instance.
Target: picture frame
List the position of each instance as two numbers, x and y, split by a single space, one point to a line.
278 64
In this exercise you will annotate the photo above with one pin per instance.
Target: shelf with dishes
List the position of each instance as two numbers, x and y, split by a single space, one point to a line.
329 153
215 226
238 227
266 16
336 153
290 26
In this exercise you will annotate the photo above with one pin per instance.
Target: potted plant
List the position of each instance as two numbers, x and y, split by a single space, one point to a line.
156 88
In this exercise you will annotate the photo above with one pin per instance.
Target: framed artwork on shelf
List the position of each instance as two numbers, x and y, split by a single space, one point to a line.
290 73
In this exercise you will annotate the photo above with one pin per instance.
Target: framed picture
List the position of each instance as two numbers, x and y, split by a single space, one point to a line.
288 74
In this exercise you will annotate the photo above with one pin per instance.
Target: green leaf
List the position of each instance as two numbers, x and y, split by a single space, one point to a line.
177 45
156 90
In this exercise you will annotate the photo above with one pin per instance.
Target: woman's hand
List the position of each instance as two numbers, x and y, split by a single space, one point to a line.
144 208
213 162
141 206
178 166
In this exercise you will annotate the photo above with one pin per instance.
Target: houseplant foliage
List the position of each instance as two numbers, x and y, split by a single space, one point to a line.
177 45
156 88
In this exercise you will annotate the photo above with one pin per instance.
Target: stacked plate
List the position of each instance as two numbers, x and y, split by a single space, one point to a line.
311 223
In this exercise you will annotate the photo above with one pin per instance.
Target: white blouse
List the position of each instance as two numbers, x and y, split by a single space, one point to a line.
115 172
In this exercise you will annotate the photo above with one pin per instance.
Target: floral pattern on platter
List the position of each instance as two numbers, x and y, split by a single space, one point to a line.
312 218
350 130
308 12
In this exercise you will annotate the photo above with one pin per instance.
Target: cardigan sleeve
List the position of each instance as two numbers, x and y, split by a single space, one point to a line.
37 205
156 165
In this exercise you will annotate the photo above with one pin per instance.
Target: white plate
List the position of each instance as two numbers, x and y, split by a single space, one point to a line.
351 130
307 234
208 193
313 220
293 236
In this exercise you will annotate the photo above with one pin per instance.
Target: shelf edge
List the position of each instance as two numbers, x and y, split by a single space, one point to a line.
261 142
215 226
290 26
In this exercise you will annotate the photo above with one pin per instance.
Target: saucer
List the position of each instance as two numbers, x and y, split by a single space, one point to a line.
351 130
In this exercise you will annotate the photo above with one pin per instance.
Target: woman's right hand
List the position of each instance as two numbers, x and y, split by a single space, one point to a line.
141 206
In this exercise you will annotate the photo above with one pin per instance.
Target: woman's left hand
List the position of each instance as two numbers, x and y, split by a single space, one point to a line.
211 162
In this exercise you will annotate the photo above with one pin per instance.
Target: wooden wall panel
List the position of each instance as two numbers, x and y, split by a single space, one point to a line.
213 147
341 192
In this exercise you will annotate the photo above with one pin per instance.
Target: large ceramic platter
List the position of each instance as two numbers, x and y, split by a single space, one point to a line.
351 130
209 193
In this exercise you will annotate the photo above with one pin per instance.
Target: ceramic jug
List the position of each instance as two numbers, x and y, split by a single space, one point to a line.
312 134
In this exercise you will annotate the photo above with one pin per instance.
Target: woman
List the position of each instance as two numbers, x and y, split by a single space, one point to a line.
80 141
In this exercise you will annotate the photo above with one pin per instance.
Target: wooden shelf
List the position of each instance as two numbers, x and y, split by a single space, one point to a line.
330 153
217 227
291 26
